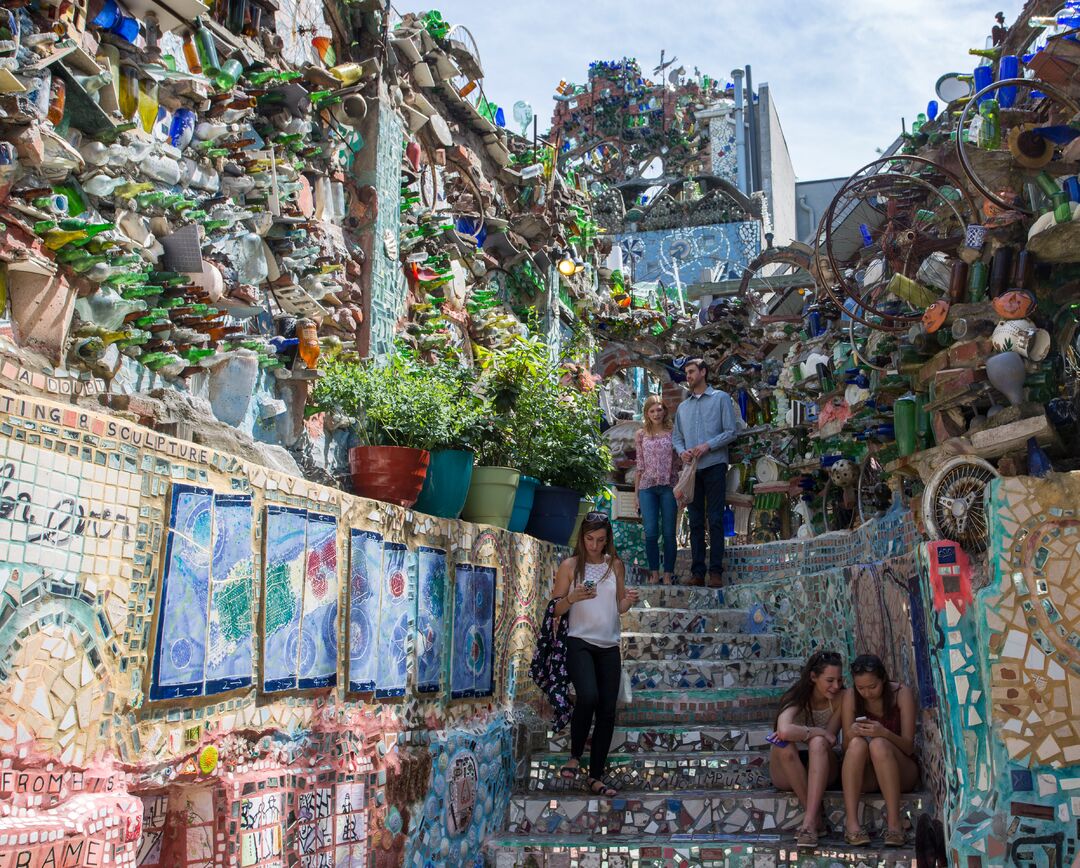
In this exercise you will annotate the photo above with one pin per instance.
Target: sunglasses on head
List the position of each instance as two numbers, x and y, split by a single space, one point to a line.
830 658
598 516
860 667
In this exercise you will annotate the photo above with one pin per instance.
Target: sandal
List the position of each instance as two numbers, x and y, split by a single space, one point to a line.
599 788
806 839
857 839
894 838
569 772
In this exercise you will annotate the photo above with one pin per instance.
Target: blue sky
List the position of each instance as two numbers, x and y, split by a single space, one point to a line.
842 73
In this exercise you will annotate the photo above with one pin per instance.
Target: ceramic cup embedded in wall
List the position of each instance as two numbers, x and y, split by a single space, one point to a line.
1006 372
1023 337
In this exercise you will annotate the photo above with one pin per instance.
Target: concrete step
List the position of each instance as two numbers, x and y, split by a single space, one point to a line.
678 812
675 707
682 851
655 619
680 597
704 674
699 646
677 739
729 770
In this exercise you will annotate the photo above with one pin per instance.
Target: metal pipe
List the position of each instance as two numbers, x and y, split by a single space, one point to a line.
742 155
755 132
807 208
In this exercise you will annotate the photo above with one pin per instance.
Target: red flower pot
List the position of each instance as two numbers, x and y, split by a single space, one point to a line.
393 474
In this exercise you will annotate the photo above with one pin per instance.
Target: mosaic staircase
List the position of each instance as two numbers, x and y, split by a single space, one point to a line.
689 759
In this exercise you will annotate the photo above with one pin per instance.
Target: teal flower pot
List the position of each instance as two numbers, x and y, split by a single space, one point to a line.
523 504
447 484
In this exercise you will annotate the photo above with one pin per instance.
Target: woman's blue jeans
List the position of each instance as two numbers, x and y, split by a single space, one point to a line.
658 512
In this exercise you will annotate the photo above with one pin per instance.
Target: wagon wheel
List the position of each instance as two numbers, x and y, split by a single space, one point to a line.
895 211
838 508
1021 121
901 220
773 276
871 474
954 502
466 55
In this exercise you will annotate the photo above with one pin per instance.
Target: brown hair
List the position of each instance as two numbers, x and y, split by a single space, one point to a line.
666 425
593 521
800 693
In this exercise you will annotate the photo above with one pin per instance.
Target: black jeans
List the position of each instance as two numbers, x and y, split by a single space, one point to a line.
710 489
595 673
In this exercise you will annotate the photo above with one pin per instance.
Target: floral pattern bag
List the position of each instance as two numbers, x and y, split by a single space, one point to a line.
548 667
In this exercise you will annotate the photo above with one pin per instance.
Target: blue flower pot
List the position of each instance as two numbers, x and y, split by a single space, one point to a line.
554 514
523 504
447 483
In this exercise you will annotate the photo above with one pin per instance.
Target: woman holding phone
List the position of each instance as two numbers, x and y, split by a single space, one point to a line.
590 589
879 746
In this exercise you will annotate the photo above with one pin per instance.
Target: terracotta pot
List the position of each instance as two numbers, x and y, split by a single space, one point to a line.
393 474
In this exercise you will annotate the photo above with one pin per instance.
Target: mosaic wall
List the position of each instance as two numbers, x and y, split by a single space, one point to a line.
1009 679
206 662
658 255
387 279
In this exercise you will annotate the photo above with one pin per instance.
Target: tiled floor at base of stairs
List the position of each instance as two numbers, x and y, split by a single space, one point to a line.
699 852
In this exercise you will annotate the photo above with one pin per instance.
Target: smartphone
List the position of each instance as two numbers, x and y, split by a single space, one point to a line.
589 585
860 720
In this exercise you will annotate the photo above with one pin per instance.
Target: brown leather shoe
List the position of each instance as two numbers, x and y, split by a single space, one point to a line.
698 581
716 580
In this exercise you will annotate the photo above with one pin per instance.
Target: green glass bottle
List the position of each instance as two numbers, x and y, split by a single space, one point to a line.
207 50
990 130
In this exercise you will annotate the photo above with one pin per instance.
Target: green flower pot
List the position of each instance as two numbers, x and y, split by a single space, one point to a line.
584 508
447 483
491 496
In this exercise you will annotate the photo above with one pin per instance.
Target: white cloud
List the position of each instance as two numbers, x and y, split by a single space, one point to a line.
843 73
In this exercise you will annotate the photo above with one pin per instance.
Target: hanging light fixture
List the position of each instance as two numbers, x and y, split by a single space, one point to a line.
568 264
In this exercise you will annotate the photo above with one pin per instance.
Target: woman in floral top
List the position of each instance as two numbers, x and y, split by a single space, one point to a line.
657 472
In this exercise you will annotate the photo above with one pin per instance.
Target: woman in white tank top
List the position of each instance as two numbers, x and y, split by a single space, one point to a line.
590 590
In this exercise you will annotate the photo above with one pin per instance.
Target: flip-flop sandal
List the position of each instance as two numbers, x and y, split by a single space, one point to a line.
569 773
599 788
857 839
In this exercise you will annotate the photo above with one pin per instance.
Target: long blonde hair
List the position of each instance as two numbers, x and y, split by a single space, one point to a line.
666 425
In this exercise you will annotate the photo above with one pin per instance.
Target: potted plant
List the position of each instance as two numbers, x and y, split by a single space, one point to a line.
398 414
573 462
506 375
494 480
450 470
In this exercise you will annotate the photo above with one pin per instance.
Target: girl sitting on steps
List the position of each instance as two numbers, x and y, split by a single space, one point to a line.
879 746
803 758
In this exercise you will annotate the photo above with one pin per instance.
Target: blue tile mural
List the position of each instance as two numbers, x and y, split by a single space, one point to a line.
471 672
365 587
204 634
430 618
394 621
300 619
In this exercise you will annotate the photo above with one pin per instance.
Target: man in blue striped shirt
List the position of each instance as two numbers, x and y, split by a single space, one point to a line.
705 423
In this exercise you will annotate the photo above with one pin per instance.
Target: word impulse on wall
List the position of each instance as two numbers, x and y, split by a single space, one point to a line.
394 598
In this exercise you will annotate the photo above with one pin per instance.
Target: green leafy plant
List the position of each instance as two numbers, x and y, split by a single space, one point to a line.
541 425
401 402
